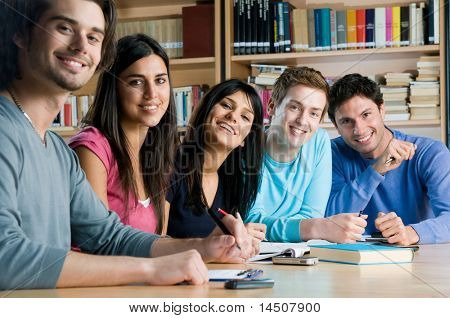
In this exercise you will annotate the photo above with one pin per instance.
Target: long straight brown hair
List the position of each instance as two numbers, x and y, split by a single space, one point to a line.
158 150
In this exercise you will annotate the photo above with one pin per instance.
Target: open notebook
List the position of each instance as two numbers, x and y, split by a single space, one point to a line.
267 250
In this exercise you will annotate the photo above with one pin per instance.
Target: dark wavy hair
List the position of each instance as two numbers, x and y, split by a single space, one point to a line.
19 17
158 150
349 86
240 172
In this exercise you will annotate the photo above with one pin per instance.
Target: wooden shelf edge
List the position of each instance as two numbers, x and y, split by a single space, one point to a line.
401 123
300 55
191 61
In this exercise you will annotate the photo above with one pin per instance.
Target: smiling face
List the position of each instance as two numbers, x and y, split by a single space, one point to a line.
144 91
229 122
297 118
360 123
65 48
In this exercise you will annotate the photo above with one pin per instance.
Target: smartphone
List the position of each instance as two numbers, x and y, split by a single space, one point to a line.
249 283
288 260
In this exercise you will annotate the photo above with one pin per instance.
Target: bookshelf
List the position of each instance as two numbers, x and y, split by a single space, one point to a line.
341 62
183 71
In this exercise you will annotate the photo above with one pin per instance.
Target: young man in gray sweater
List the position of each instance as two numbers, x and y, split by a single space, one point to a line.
47 49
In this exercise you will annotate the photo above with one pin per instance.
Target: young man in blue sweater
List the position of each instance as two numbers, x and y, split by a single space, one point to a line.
296 179
402 182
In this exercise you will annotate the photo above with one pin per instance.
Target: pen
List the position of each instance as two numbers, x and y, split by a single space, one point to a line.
389 160
219 222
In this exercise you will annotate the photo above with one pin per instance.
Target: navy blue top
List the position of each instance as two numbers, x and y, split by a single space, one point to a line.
183 220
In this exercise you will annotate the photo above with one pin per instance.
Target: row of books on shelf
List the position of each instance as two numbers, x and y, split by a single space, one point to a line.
73 111
187 99
76 107
263 26
188 36
168 33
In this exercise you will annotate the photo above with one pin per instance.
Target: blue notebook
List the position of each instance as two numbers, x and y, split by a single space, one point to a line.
362 254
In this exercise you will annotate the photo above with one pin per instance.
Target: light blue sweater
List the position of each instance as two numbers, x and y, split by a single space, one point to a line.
294 191
418 191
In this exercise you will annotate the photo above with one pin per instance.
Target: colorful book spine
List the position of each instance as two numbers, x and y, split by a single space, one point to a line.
318 29
333 29
281 22
404 26
412 25
351 29
287 26
341 29
325 28
388 26
311 30
436 20
370 28
395 26
361 28
380 27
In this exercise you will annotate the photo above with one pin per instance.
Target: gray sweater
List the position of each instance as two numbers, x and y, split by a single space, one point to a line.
46 204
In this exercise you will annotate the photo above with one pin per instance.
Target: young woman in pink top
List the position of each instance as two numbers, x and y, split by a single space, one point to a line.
127 147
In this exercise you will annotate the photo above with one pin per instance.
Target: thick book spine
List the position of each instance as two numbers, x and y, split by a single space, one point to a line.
248 27
388 26
420 24
281 22
311 30
236 27
412 25
266 29
351 28
436 18
341 29
325 28
380 27
361 28
318 29
287 26
260 22
370 28
396 26
254 26
404 26
304 29
296 31
242 26
430 16
333 29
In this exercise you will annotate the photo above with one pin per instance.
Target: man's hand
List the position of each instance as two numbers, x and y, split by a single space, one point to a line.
343 227
395 153
257 231
176 268
391 226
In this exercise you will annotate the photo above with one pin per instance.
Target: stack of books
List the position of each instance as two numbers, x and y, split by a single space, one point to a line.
398 79
425 97
265 74
428 68
395 102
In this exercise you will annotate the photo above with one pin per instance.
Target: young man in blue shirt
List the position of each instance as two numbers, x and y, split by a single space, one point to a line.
402 182
296 178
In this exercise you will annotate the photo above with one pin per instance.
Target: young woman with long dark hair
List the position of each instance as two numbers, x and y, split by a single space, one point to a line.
128 145
218 164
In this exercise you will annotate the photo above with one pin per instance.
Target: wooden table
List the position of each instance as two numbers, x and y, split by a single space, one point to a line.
427 276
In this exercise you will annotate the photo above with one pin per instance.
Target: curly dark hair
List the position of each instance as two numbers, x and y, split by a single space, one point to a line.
349 86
